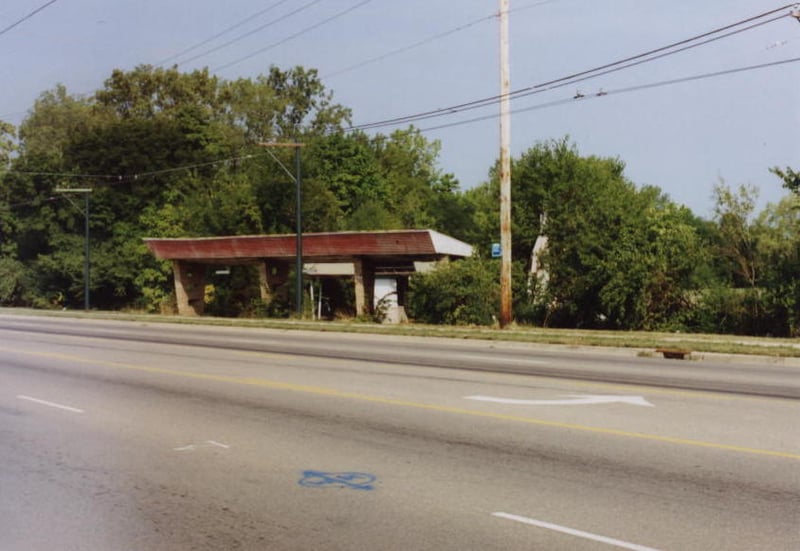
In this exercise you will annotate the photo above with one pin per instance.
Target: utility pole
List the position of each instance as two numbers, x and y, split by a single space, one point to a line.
505 170
298 218
85 192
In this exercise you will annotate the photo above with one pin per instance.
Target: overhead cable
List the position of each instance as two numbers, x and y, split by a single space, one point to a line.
250 33
564 101
25 18
618 91
429 39
112 179
292 36
679 43
410 46
139 175
630 61
221 33
63 174
588 75
33 202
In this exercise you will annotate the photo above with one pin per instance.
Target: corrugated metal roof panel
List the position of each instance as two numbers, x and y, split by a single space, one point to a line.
316 246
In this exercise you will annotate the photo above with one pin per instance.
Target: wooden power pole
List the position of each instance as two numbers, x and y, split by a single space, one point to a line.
505 170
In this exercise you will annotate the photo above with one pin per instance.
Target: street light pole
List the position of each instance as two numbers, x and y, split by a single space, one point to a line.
298 232
86 262
297 177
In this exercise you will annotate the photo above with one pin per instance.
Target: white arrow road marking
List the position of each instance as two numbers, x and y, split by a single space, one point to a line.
574 400
574 532
206 444
50 404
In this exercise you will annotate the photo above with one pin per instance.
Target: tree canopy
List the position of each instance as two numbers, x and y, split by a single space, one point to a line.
178 154
169 154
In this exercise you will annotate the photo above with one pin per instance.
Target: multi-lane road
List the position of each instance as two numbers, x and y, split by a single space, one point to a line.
120 435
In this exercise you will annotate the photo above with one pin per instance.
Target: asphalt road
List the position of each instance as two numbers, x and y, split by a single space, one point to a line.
132 436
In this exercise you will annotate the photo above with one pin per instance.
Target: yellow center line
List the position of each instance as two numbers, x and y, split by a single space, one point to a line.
323 391
560 382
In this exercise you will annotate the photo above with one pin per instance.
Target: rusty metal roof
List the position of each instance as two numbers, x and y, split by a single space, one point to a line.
319 247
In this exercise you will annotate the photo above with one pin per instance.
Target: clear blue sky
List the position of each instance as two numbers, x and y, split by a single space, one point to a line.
682 138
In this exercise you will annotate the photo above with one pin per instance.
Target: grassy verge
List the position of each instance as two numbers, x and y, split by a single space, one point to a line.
640 340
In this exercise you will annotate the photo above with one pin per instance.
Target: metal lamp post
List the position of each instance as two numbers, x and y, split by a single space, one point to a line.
299 216
85 192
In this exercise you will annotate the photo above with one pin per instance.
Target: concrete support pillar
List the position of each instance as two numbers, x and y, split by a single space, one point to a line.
263 282
271 275
402 290
190 287
364 279
402 296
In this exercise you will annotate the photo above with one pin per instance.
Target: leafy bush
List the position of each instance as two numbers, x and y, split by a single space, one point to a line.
12 273
466 292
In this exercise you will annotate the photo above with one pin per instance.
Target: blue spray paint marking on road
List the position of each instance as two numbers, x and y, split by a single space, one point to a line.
354 481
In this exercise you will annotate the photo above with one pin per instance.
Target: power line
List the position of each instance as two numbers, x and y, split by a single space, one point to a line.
33 202
571 79
6 116
62 174
428 40
531 89
630 61
252 32
293 36
556 103
25 18
119 178
618 91
679 43
404 49
223 32
139 175
560 83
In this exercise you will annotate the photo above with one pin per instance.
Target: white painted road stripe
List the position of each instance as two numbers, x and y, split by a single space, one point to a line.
500 360
573 532
573 400
51 404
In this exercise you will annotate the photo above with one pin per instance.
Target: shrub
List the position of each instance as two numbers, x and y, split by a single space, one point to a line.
466 292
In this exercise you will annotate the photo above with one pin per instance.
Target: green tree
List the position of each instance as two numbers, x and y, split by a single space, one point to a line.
617 256
148 92
484 204
381 182
652 268
282 105
412 180
589 215
345 164
155 139
7 144
7 220
791 178
734 211
779 243
56 118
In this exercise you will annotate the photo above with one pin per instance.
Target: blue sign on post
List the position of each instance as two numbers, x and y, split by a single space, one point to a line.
497 251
